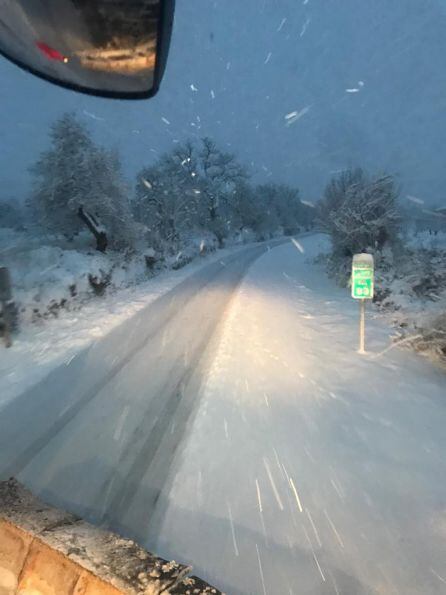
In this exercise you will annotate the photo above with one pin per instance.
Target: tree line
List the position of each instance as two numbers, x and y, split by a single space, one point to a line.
196 187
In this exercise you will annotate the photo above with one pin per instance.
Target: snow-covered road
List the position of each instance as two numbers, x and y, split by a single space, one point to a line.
277 460
310 469
85 435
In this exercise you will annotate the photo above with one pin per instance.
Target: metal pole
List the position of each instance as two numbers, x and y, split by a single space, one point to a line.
5 304
362 326
6 327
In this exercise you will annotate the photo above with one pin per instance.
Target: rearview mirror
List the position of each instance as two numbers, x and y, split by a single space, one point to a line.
108 48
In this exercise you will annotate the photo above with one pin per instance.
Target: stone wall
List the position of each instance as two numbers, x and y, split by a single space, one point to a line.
46 551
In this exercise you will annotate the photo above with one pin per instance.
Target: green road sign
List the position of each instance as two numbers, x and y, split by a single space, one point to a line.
363 277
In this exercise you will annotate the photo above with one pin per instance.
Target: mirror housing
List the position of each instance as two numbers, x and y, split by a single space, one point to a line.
107 48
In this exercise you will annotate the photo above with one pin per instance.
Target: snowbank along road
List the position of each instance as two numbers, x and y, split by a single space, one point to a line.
268 454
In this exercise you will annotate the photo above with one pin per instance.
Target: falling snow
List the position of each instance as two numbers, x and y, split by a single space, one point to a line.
292 464
282 23
293 117
305 27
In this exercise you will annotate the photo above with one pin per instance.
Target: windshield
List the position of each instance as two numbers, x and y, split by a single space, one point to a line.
223 310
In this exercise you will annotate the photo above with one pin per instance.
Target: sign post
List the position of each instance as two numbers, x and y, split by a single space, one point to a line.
361 326
5 304
363 273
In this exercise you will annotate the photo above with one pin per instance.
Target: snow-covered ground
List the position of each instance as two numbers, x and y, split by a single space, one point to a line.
411 287
41 347
308 468
51 274
291 465
429 241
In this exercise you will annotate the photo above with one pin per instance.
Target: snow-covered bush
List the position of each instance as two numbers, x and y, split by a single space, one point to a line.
244 236
360 214
415 276
191 246
411 287
428 240
428 338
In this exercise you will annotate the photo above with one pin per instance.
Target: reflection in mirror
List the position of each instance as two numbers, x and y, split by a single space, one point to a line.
98 45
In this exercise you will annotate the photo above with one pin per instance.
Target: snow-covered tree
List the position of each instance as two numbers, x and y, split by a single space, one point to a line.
281 207
198 186
336 190
167 194
190 187
77 184
288 208
244 207
62 177
220 172
110 200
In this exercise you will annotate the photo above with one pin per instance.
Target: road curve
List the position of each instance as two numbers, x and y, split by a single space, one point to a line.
85 436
